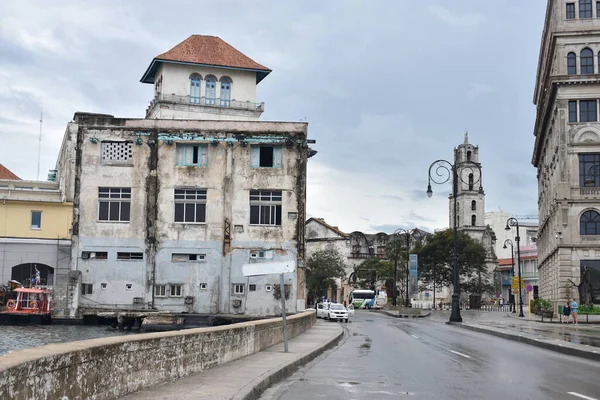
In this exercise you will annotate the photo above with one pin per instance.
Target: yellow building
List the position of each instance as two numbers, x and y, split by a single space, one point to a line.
35 233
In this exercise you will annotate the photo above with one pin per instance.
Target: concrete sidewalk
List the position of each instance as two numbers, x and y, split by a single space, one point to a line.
248 377
576 340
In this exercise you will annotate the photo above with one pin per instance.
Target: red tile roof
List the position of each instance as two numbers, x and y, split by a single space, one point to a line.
5 173
210 50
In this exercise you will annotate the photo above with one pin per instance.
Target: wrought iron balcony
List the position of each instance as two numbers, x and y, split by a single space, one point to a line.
367 255
208 102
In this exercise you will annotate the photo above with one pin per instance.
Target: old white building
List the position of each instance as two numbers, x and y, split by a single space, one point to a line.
167 209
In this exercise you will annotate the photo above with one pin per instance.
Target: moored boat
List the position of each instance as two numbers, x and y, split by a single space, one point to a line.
31 305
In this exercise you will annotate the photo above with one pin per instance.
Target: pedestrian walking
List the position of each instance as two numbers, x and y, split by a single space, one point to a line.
574 307
501 304
566 312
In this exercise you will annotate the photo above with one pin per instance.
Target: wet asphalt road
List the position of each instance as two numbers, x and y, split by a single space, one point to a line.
387 358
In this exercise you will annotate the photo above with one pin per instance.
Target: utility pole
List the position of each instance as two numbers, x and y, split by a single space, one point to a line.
40 144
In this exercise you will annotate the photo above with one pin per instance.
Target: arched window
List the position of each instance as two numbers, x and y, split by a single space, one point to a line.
572 63
589 223
586 58
473 205
468 155
585 8
195 85
225 91
473 220
211 90
470 181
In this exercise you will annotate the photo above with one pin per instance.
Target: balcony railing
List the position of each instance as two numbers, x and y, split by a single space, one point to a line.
208 102
367 255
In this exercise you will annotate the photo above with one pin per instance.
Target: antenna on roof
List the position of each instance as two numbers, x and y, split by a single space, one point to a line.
40 144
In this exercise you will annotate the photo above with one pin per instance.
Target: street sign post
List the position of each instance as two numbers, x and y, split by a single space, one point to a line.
272 268
529 287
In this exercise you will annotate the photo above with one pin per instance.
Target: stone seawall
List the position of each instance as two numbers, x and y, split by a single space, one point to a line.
111 367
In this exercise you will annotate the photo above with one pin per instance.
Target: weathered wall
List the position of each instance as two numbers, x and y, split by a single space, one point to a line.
225 239
112 367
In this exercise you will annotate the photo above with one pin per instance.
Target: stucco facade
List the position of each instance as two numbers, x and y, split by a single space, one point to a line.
567 151
35 233
148 259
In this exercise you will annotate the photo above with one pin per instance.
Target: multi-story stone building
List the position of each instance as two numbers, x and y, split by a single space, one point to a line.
35 233
169 208
567 150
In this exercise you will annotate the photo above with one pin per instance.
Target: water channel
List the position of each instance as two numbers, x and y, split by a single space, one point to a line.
20 337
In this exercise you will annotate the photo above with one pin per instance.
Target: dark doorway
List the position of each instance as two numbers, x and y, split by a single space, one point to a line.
24 273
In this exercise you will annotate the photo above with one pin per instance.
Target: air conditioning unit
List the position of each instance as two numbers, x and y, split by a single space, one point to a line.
189 300
138 300
236 303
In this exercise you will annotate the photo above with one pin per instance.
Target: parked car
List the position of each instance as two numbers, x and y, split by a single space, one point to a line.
337 312
322 309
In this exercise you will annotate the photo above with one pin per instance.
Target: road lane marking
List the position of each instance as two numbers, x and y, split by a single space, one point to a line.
581 396
461 354
415 336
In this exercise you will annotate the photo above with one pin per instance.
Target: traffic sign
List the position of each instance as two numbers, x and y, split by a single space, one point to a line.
529 287
515 282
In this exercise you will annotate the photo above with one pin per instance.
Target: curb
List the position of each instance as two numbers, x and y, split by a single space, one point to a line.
263 384
564 349
402 315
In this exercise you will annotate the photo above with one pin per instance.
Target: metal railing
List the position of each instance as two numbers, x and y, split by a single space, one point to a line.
208 102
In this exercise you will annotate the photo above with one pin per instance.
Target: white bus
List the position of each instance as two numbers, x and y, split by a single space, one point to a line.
363 298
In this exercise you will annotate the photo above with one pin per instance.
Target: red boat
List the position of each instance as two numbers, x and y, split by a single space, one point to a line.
31 305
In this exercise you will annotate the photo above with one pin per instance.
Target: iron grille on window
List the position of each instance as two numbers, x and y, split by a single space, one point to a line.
114 204
190 205
265 207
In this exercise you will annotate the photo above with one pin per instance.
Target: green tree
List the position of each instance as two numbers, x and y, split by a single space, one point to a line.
369 272
322 268
436 262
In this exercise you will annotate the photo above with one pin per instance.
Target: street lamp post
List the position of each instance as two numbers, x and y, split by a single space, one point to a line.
444 171
509 242
509 223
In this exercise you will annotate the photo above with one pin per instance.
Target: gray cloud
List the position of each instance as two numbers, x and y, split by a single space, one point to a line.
382 102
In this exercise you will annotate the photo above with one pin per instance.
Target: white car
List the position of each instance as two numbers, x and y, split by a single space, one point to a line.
337 312
322 309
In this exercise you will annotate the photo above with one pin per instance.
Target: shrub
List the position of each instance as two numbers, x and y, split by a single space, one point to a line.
589 309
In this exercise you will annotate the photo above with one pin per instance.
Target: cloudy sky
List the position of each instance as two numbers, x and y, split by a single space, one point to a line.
387 86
